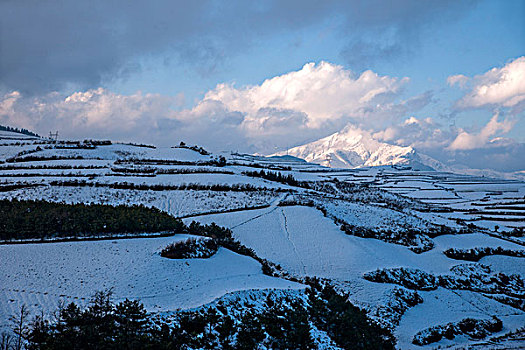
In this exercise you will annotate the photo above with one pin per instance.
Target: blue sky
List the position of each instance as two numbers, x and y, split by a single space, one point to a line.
487 35
110 67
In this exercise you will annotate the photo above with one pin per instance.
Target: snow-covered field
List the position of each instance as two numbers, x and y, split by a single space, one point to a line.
469 198
306 243
40 275
305 240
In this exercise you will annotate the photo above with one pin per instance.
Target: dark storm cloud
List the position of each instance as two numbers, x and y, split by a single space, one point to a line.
45 45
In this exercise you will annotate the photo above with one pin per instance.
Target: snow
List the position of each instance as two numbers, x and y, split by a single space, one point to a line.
175 202
301 239
11 135
464 195
39 275
372 216
443 306
306 243
203 179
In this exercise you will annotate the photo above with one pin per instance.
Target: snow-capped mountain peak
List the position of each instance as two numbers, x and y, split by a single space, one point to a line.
352 148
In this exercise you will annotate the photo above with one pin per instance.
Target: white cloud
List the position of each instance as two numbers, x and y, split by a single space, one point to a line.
458 79
7 103
283 111
321 93
485 148
499 87
422 133
93 113
469 141
102 114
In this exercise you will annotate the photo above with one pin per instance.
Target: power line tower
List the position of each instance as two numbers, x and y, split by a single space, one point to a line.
53 136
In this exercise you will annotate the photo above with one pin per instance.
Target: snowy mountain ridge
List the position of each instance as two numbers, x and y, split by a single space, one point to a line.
354 148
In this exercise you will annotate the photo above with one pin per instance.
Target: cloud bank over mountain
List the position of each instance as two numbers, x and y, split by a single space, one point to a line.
288 110
280 112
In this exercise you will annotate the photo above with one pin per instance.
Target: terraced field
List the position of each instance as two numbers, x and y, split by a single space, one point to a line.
377 234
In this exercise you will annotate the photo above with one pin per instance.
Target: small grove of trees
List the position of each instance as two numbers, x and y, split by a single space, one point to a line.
44 220
37 158
195 148
191 248
417 240
473 328
220 161
274 176
280 322
346 324
50 166
475 254
102 325
504 288
516 232
163 171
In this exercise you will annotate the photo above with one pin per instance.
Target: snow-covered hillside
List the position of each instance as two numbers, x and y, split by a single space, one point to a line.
377 233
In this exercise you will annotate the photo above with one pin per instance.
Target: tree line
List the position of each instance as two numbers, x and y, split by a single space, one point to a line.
24 219
279 322
18 130
274 176
160 187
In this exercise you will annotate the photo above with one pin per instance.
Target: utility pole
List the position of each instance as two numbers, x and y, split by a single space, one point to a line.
53 136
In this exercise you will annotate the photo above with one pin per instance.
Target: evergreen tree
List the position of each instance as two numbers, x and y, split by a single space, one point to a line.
131 324
226 331
20 326
250 333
